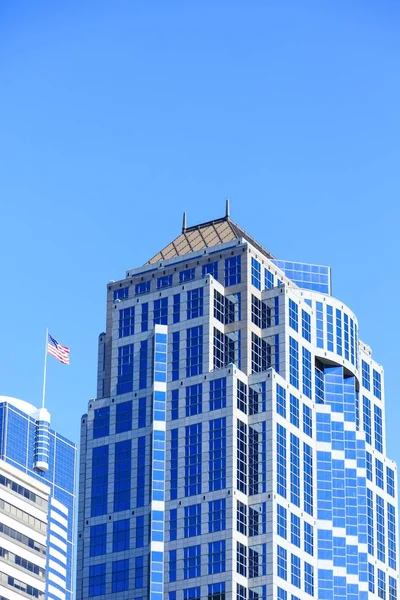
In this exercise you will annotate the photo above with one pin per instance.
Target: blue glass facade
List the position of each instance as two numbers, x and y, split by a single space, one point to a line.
34 450
237 445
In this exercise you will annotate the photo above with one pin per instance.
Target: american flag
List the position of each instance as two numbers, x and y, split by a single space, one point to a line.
59 352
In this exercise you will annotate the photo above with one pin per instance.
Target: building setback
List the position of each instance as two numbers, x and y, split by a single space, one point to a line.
237 447
37 494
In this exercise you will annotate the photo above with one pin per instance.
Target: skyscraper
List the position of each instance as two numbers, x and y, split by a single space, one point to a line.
236 448
37 493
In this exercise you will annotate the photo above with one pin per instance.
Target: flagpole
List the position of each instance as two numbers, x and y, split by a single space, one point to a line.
45 367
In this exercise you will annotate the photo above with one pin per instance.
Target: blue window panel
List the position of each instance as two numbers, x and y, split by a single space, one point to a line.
370 522
97 580
176 311
187 275
339 332
390 481
295 571
367 420
192 561
120 575
294 470
143 364
139 572
194 351
294 411
99 481
281 594
391 529
101 422
123 417
308 579
380 528
377 384
319 315
256 273
172 565
175 355
378 428
194 394
392 588
308 478
173 524
126 322
308 538
122 475
241 481
142 413
329 327
295 530
294 362
379 473
141 463
281 521
268 279
161 311
281 460
193 459
174 405
381 584
217 455
210 269
281 400
216 591
216 557
365 375
192 522
307 420
125 369
191 593
145 317
241 559
174 465
368 464
121 294
218 393
121 532
282 562
195 303
232 270
307 384
371 578
164 281
142 288
306 325
98 539
293 315
216 515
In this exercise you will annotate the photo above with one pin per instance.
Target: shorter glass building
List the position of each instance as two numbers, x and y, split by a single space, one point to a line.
37 493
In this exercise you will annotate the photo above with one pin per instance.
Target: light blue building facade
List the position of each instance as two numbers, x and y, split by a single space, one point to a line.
37 496
236 448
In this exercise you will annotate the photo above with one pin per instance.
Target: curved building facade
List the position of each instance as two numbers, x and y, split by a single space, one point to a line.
236 448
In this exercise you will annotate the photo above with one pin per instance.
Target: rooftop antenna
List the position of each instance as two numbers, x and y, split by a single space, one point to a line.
227 215
184 223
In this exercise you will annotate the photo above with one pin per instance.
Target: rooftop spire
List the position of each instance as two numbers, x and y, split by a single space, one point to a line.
184 223
227 213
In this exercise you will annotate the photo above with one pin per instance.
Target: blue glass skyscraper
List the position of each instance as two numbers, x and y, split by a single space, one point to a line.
236 448
37 494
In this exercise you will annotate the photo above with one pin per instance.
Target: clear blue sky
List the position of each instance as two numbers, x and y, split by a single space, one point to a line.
115 117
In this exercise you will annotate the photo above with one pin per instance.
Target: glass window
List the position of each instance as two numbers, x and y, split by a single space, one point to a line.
241 559
392 550
365 375
241 457
294 362
142 413
218 393
319 315
187 275
293 315
390 481
126 322
125 369
120 575
281 521
367 419
192 523
329 327
101 422
379 473
122 476
210 269
141 463
378 428
232 270
142 288
121 534
139 529
191 561
306 325
294 470
216 557
380 528
161 311
217 455
308 538
308 479
176 312
97 580
98 539
121 294
295 571
307 420
139 572
195 303
174 465
281 460
123 417
174 405
255 273
295 530
193 459
216 515
194 351
99 481
175 355
307 389
280 400
377 384
145 316
308 579
194 395
173 524
294 411
164 281
282 562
